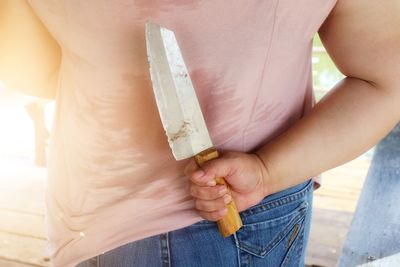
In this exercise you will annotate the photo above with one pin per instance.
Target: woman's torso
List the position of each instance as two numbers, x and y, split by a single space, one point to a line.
112 176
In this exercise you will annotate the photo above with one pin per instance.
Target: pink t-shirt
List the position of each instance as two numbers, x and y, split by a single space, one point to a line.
112 176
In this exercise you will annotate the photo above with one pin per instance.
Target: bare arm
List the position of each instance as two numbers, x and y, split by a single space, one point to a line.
29 56
362 37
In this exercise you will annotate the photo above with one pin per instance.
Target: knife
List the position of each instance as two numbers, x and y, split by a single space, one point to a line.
180 111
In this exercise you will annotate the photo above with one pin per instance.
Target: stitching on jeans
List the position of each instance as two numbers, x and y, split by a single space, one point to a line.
285 218
298 248
237 248
299 218
278 202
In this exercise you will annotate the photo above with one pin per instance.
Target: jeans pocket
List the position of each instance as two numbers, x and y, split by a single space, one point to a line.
273 232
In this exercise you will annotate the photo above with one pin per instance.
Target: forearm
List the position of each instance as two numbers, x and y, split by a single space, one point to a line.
353 117
346 123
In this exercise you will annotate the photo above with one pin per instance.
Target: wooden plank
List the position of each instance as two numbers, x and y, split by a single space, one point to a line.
375 229
336 204
22 187
328 231
341 186
21 249
22 234
333 206
24 224
8 263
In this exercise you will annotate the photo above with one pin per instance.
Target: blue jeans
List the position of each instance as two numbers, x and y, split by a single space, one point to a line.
274 233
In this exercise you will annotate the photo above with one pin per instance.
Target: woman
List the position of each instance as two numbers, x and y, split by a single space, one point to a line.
112 178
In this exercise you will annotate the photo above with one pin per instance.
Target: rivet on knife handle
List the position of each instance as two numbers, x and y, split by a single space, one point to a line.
231 222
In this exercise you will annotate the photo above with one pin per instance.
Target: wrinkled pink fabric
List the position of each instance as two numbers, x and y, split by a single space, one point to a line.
112 176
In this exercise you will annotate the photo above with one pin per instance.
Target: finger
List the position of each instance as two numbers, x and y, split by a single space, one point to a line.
201 178
213 205
194 172
207 192
213 169
190 167
214 215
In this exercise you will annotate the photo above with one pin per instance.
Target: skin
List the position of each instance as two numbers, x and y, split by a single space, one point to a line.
27 50
362 37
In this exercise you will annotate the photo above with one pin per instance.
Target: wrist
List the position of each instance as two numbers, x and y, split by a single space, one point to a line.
268 185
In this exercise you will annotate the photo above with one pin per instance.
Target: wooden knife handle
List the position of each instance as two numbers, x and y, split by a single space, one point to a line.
231 222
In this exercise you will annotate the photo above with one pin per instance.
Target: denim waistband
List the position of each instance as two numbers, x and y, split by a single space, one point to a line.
280 198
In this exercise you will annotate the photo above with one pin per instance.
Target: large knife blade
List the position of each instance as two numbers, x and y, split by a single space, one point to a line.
179 109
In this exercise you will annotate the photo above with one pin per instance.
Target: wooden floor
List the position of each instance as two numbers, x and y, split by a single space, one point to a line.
22 234
334 205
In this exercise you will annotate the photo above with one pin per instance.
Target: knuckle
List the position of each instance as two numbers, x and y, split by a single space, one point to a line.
202 193
204 215
221 190
197 204
189 168
214 216
201 205
213 194
211 166
210 216
195 182
209 193
221 203
193 190
209 205
200 181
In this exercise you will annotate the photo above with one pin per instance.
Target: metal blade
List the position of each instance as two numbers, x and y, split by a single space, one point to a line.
176 98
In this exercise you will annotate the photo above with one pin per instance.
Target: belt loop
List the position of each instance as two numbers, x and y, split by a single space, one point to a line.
165 253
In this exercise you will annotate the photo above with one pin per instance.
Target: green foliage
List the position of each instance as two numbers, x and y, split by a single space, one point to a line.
325 73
